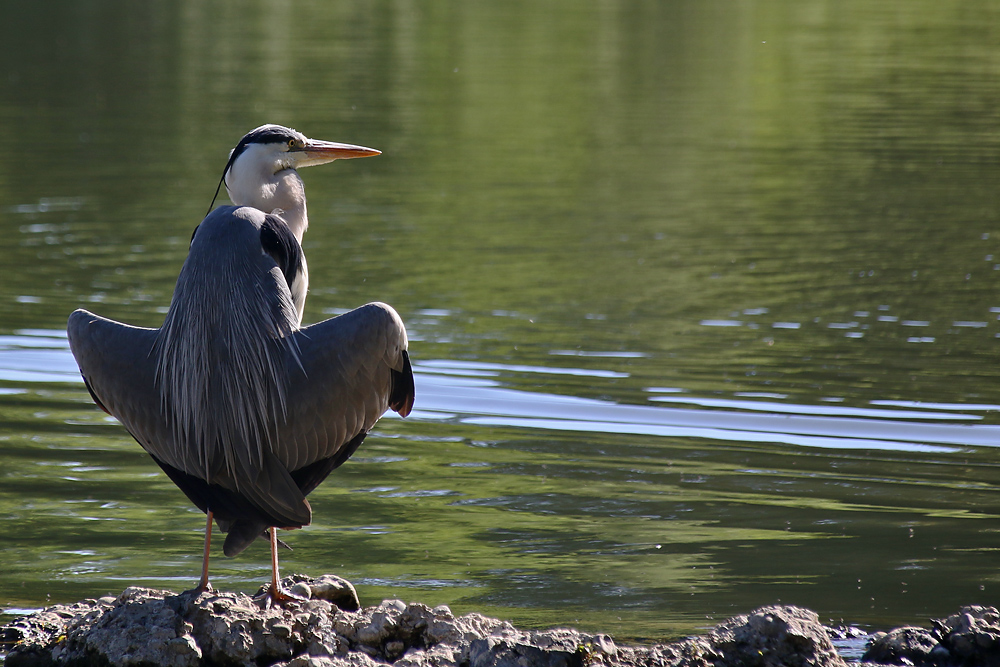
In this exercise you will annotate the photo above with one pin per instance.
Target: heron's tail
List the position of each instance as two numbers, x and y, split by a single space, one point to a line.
240 535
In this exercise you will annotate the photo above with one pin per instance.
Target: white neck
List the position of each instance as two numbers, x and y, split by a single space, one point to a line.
253 184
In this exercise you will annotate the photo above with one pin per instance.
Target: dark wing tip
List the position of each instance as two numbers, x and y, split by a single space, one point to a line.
402 394
93 395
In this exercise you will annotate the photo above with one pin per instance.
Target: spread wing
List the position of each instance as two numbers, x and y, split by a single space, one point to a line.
352 369
119 367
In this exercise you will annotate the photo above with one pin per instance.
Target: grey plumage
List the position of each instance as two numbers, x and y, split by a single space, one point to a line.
243 409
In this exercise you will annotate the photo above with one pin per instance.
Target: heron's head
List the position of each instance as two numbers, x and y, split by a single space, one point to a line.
273 148
253 172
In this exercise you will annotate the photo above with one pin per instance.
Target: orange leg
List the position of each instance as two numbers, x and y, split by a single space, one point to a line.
274 561
276 593
203 585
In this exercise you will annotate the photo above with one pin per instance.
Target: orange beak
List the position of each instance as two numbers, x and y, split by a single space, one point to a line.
321 152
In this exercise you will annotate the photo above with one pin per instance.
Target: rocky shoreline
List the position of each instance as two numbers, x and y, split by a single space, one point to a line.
153 627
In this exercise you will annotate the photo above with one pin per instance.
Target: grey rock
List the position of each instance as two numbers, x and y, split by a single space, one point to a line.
902 646
301 590
555 648
972 636
140 628
37 636
441 655
150 627
693 652
353 660
335 590
780 636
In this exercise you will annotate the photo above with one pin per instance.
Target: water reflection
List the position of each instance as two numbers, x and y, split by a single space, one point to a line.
36 356
530 511
43 356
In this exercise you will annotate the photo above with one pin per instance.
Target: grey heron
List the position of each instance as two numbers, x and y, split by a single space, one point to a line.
262 172
242 408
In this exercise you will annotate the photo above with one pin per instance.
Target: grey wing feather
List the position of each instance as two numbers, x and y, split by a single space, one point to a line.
350 366
119 367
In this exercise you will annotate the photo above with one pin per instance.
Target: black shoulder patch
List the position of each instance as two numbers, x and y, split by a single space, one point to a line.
277 240
93 395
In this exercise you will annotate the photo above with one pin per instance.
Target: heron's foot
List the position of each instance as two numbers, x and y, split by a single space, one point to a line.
202 587
273 596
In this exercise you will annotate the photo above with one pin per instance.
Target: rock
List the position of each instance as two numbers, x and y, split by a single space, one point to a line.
141 627
335 590
779 636
144 626
324 629
902 646
37 637
972 636
555 648
233 628
301 590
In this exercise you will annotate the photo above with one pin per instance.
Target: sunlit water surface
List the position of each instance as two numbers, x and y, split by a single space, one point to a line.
702 298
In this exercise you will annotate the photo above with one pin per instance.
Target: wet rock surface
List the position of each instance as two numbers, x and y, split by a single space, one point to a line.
970 637
329 628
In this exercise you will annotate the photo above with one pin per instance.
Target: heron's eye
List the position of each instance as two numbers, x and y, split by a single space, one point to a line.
294 144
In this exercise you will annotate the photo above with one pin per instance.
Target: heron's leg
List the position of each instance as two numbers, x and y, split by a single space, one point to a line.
276 593
203 585
275 586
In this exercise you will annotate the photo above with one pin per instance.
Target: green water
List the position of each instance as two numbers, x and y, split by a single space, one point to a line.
727 213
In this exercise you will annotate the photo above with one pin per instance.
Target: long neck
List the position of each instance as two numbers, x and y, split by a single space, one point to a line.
266 192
